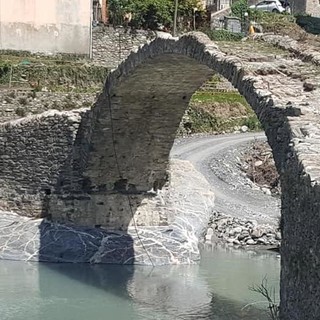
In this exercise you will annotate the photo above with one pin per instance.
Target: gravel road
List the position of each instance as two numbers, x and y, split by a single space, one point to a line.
218 159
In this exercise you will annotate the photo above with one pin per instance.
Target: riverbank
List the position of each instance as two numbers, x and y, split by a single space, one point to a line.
238 232
251 166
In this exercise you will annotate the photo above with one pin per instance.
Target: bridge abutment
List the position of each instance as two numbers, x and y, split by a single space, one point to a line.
113 211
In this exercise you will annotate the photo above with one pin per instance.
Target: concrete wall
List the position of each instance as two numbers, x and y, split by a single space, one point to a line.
311 7
45 26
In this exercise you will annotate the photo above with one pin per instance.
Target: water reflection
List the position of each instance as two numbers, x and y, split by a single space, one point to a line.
215 289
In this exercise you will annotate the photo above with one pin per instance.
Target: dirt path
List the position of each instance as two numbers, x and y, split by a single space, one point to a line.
218 159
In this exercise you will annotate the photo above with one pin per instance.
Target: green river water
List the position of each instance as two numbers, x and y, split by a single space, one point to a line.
217 288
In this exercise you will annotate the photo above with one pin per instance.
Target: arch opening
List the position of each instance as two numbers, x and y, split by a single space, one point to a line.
133 126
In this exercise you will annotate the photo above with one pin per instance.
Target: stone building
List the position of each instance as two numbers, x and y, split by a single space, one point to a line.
216 5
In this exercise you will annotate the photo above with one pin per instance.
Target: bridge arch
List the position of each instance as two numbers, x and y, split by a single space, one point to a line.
95 167
135 120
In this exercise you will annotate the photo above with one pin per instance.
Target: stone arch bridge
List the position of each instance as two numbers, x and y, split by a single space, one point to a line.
81 166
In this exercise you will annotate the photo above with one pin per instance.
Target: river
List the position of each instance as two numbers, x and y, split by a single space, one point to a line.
217 288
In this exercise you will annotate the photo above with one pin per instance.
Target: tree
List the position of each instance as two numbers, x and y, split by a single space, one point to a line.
150 14
117 10
239 8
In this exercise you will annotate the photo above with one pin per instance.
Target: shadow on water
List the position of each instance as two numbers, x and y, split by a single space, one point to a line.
216 289
138 292
76 244
134 292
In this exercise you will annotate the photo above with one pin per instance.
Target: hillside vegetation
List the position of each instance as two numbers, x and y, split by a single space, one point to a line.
32 84
217 108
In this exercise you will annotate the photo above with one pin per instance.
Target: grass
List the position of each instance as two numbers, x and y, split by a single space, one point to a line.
270 297
251 46
219 97
198 120
56 74
223 35
217 112
20 57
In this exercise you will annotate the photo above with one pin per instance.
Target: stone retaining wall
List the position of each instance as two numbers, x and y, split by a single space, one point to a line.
110 46
35 153
16 104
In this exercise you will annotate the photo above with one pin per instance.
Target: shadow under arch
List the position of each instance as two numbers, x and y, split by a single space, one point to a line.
131 128
124 141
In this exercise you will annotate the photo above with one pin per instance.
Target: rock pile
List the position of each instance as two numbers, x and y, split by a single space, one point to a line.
258 164
239 232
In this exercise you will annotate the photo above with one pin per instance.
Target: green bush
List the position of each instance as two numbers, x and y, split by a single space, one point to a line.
270 17
239 7
252 123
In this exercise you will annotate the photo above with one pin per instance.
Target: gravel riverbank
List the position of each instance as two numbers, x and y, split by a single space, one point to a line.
246 213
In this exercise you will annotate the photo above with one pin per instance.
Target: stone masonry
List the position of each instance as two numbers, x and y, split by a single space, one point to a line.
93 162
110 46
34 152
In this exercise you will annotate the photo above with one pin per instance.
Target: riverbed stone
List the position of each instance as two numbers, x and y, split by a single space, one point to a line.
244 129
243 235
278 235
250 242
266 191
262 241
210 231
258 163
257 233
232 228
237 229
